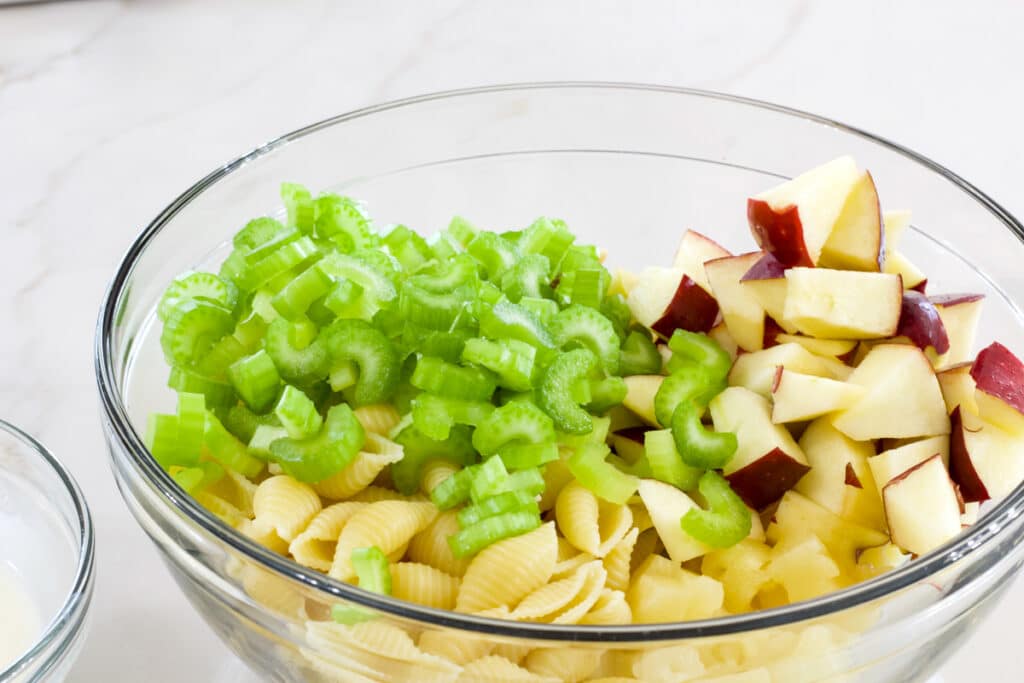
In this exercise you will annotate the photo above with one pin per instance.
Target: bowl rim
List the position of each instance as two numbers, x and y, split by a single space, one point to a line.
970 541
63 626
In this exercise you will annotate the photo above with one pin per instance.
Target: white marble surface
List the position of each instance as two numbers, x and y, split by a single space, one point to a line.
108 109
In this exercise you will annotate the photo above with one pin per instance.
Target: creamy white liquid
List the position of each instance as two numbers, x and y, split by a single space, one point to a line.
20 625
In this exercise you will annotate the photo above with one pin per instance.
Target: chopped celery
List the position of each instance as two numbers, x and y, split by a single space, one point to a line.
688 384
454 490
554 396
457 448
360 342
256 380
297 413
436 376
473 539
510 360
506 320
372 569
527 278
435 416
342 221
299 204
295 362
590 468
495 253
331 450
728 519
510 501
639 355
200 287
515 422
698 446
191 328
701 350
227 450
581 326
665 462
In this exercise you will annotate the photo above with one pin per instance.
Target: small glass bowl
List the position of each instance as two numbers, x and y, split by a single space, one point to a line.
629 167
46 552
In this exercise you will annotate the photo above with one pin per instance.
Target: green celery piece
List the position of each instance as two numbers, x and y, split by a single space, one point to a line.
454 490
256 380
703 351
218 394
372 277
438 377
462 230
198 286
278 262
618 311
665 462
521 456
342 221
495 253
373 570
298 202
325 454
639 355
473 539
434 416
554 395
457 448
515 422
297 413
688 384
295 298
262 437
728 519
698 446
581 326
588 287
408 247
488 479
256 232
191 427
227 450
511 361
296 362
433 310
379 366
590 468
510 501
606 394
162 439
506 320
191 329
527 278
544 309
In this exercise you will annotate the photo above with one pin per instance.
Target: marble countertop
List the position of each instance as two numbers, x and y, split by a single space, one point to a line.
109 109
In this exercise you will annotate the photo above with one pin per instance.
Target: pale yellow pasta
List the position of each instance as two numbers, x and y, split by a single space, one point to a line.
567 664
495 669
235 489
669 664
378 452
616 562
512 652
424 585
388 525
430 546
509 570
285 505
568 567
379 418
315 546
273 592
461 648
641 517
264 536
375 494
589 523
375 650
556 476
564 601
435 472
615 679
222 509
645 546
610 608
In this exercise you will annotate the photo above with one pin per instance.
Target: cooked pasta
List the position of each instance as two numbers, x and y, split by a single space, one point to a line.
461 648
435 472
380 418
235 489
617 561
264 536
424 585
222 509
507 571
610 608
378 452
430 546
567 664
315 546
285 505
669 664
388 525
556 476
589 523
375 494
564 601
495 669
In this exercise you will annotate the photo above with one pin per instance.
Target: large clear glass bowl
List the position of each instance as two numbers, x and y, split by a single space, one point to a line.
629 167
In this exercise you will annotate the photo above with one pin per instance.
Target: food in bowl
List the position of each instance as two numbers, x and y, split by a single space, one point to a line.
495 423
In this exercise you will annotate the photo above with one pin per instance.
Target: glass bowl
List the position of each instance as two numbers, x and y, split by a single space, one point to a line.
46 562
628 167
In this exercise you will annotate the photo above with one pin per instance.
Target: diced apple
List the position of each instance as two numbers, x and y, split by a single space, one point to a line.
772 330
999 380
667 505
843 304
766 281
693 252
903 398
640 391
667 299
741 310
922 507
985 461
857 241
797 397
895 224
876 561
629 443
921 323
767 462
911 276
756 371
893 462
836 348
720 333
958 387
960 314
660 590
794 220
969 516
740 569
622 282
804 568
840 479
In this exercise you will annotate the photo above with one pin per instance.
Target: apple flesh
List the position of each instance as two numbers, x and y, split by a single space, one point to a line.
766 282
894 461
922 507
797 397
836 348
640 391
720 333
843 304
912 276
895 223
985 461
857 241
902 400
793 221
667 505
628 443
999 380
958 387
921 323
667 299
767 462
741 310
756 371
622 282
693 252
959 314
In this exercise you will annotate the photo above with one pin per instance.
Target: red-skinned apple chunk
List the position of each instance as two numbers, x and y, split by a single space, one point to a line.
797 397
693 252
766 281
960 314
667 299
794 220
843 304
857 241
836 348
767 462
958 387
640 391
894 461
903 398
985 461
756 371
741 310
999 378
922 507
921 323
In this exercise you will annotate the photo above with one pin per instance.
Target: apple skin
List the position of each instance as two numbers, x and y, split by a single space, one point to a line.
920 287
851 477
767 268
954 299
921 324
691 308
1000 374
764 480
961 468
772 330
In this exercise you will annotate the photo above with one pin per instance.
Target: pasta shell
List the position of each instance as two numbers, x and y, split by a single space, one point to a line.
507 571
610 608
315 546
388 525
378 452
592 525
430 546
435 472
616 562
495 669
379 419
285 505
564 601
424 585
567 664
